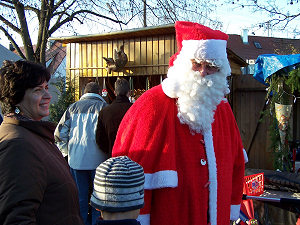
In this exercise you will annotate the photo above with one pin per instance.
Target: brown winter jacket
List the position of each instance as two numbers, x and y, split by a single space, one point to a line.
36 186
109 120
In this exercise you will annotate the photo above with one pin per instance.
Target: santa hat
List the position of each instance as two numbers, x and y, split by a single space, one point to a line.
197 41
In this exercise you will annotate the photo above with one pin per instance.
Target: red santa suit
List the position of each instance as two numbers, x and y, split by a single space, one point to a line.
186 175
190 178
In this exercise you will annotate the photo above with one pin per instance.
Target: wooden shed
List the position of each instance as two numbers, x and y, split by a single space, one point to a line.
148 51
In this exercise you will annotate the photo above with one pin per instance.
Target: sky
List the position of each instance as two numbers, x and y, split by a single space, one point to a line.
234 21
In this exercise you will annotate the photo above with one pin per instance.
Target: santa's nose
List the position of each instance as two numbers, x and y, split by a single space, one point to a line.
203 71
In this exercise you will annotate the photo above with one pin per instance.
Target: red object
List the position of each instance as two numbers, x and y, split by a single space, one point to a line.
248 210
186 30
176 177
254 184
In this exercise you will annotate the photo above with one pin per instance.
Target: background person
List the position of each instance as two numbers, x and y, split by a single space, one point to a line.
119 191
75 137
184 134
36 186
111 116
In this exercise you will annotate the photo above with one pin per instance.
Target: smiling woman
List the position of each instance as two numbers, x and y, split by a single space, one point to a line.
36 186
35 103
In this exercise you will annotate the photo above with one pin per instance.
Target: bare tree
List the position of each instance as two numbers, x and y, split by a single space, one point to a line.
166 11
17 18
24 19
281 13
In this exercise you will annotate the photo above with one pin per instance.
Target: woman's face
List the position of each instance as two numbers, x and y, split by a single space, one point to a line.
35 103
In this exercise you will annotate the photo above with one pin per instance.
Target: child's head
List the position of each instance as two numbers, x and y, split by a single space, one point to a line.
118 186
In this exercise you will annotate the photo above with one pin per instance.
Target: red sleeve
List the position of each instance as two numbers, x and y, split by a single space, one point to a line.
146 133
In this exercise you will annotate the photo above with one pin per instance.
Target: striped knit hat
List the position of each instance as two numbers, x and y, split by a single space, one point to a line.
118 185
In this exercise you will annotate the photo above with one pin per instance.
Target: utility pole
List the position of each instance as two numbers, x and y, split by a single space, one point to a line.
145 17
268 28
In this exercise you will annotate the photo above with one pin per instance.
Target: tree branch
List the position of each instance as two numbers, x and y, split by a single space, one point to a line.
6 5
59 3
12 41
10 25
24 31
72 16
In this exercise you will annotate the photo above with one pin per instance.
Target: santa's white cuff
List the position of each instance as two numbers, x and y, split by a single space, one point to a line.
144 219
245 155
235 212
161 179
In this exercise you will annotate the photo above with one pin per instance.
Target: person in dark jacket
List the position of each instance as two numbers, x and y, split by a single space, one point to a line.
36 186
119 191
111 116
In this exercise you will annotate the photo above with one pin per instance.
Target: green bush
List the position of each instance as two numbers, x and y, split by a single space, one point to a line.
65 98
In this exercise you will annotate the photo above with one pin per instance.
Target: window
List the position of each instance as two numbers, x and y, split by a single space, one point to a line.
257 44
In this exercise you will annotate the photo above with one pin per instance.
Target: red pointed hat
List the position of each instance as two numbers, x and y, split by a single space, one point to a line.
198 41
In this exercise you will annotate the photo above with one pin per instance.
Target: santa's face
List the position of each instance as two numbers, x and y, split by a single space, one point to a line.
199 86
203 67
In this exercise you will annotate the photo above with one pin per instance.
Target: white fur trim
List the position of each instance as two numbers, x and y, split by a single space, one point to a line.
235 212
161 179
170 87
245 156
144 219
212 168
204 49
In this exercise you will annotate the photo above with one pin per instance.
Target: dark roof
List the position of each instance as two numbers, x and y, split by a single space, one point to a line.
131 33
6 54
269 45
56 54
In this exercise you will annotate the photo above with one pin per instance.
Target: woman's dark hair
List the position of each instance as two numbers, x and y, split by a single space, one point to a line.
16 78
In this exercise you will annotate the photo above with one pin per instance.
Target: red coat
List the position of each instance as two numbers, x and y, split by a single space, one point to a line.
178 165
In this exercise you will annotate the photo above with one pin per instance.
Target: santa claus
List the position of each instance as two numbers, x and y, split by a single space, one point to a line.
185 136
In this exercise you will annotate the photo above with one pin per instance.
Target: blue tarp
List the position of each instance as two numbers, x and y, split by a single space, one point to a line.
268 64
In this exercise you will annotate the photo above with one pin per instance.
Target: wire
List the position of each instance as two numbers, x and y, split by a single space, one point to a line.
294 97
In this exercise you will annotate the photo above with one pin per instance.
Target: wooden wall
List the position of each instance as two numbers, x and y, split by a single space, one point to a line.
248 103
146 56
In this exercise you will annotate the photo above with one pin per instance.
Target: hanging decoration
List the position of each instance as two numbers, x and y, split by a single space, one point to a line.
282 113
104 90
281 73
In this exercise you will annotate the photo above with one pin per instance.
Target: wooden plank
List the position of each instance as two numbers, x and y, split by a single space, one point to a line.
161 53
149 42
143 55
131 57
89 61
99 59
84 56
168 52
105 54
137 56
155 55
94 59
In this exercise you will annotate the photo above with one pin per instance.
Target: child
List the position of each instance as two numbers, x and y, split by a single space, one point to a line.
119 191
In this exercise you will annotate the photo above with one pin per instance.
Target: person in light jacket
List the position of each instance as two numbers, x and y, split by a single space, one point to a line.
75 137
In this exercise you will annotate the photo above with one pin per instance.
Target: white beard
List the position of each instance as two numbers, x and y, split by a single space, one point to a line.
197 97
